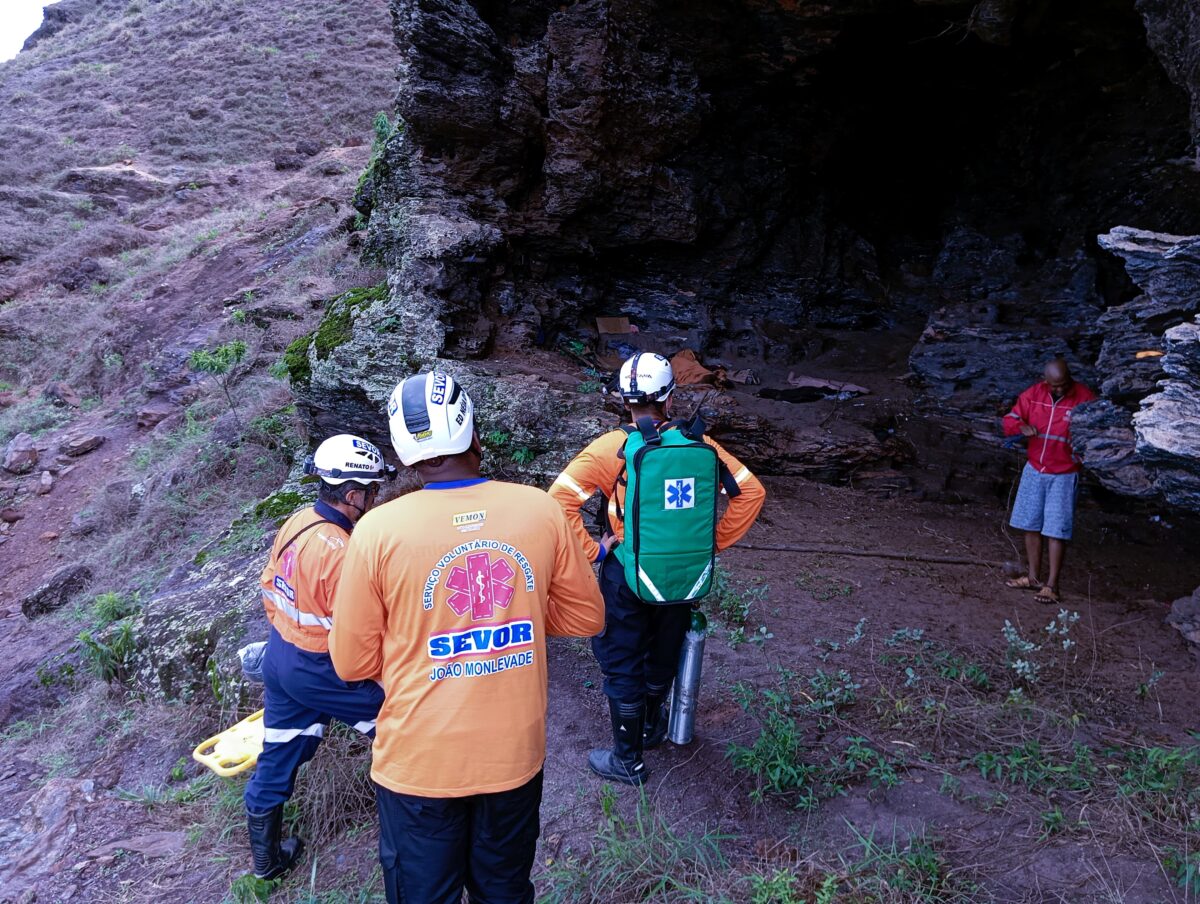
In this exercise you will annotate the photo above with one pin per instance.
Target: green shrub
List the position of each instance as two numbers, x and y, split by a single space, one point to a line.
108 653
110 607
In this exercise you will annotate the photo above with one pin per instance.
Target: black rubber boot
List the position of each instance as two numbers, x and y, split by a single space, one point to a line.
657 716
624 762
271 858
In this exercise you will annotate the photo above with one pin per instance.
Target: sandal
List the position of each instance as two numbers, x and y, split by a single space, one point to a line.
1048 595
1024 582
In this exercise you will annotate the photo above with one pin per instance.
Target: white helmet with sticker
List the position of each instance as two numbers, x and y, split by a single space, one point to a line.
645 378
345 457
430 415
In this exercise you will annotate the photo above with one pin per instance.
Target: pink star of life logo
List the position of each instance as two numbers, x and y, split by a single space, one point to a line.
481 586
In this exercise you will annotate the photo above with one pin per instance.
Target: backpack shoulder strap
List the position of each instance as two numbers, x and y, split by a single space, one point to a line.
649 431
302 530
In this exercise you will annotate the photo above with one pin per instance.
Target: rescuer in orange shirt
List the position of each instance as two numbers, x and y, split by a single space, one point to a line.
302 690
447 597
639 648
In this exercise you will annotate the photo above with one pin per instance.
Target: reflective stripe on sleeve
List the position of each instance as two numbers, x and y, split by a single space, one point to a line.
283 735
307 619
569 482
742 475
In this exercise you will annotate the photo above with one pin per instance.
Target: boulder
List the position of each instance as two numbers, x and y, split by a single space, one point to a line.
118 181
153 413
11 515
287 160
20 455
81 443
60 393
191 627
61 587
1102 435
1185 617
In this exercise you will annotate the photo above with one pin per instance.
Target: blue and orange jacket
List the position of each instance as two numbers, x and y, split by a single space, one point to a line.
302 574
1050 451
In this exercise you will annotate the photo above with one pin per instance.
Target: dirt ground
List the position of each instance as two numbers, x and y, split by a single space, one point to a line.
90 783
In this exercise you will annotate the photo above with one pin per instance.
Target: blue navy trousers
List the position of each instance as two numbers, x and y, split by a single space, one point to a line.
303 693
640 644
431 848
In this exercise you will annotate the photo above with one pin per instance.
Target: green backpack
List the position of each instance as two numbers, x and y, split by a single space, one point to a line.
673 479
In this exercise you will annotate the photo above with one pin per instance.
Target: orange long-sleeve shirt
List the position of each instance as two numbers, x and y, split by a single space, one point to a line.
299 581
447 596
597 467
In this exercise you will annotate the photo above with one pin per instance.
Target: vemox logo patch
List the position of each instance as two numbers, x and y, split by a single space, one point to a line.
474 641
468 521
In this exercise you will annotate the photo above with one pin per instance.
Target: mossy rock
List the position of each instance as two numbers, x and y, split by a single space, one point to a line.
295 361
280 505
335 329
337 326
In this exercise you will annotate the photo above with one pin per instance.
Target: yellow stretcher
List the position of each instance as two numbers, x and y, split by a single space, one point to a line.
234 750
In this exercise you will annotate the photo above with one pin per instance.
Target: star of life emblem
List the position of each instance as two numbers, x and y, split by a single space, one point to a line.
680 493
481 586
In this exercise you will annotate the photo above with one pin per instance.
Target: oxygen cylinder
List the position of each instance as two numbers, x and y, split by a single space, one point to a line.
686 694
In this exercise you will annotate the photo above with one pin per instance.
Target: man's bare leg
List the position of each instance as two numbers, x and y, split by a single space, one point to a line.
1033 552
1058 549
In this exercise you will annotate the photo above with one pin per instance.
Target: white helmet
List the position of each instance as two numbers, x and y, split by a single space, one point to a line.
646 377
344 457
430 415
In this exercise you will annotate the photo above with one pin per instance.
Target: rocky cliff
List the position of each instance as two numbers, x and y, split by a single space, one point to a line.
737 177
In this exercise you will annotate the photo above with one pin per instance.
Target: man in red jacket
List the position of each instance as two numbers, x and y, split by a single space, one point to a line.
1045 504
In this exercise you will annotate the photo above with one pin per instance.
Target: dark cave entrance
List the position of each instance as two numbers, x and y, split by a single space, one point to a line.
829 181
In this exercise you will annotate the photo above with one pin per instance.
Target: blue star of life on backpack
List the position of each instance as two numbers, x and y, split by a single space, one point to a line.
679 493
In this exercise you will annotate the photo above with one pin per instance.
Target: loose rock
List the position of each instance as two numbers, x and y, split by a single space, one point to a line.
20 455
81 443
46 484
57 591
154 413
61 393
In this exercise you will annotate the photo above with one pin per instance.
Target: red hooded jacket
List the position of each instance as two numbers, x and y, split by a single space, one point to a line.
1050 451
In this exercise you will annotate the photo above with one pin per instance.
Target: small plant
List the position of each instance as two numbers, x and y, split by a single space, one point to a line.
590 386
781 887
1026 658
638 858
221 362
1053 822
249 889
114 360
523 455
832 692
734 601
1185 868
914 872
110 607
109 653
